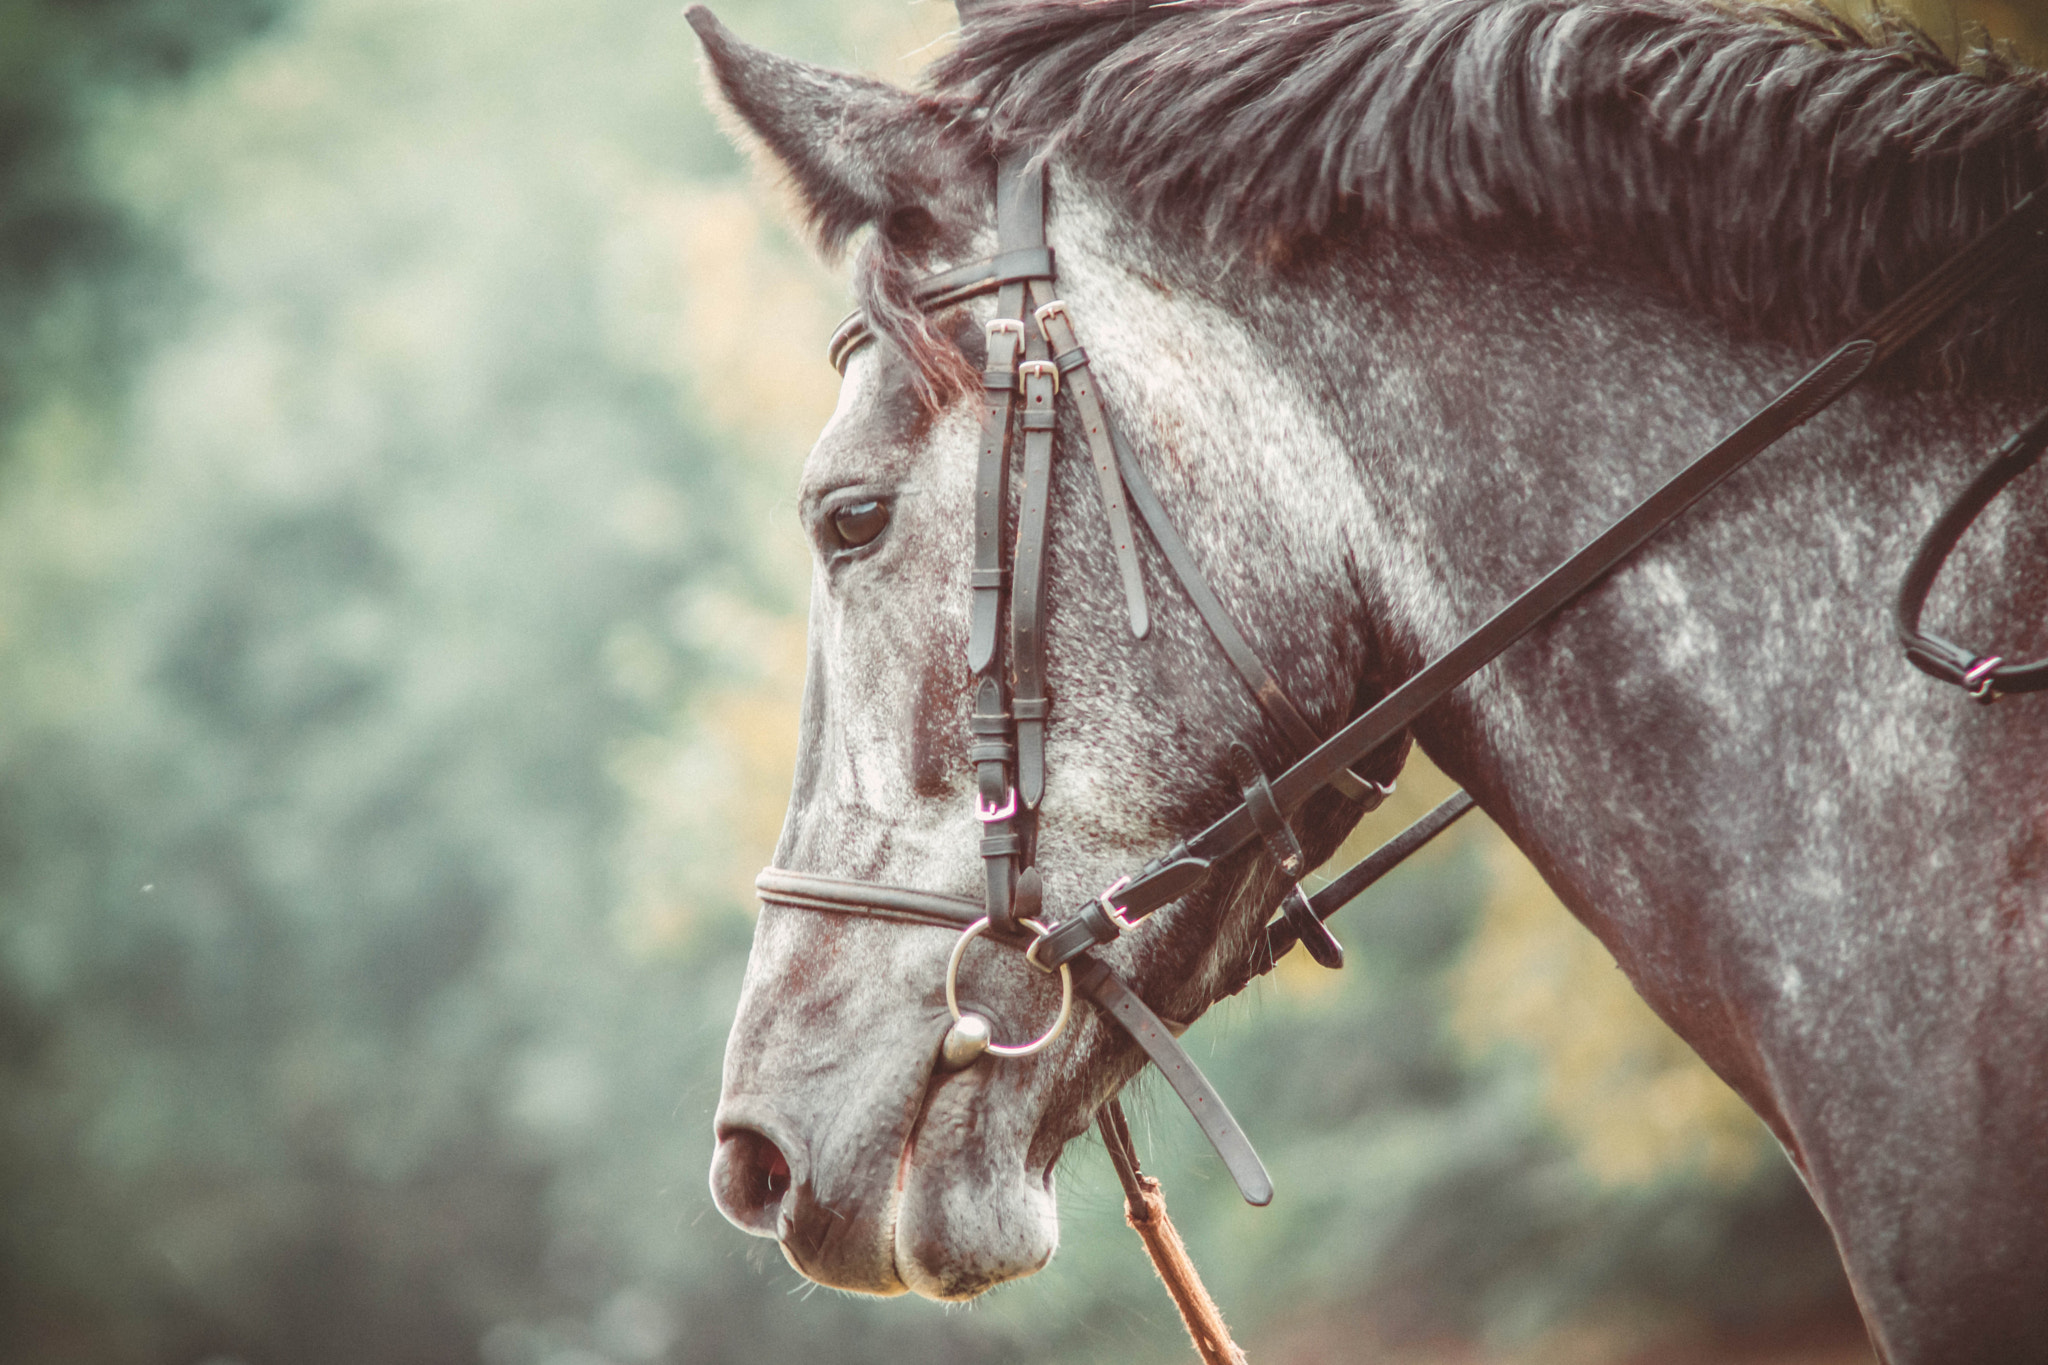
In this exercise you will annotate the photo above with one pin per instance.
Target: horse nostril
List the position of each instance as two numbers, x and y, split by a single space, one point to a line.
749 1176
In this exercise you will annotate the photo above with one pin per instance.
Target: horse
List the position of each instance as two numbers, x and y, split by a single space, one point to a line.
1397 303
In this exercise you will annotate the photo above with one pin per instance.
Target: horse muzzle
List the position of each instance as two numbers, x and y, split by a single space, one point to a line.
765 1183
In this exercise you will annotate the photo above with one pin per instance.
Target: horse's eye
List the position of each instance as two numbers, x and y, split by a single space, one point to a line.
858 523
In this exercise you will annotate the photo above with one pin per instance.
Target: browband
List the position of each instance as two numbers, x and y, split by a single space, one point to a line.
946 289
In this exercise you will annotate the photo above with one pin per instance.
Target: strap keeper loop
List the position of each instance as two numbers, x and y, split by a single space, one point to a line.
1272 826
1982 677
1070 938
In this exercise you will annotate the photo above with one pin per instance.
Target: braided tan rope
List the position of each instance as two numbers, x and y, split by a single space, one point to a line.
1145 1211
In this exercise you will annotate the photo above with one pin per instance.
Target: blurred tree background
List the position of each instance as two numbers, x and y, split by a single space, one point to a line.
400 641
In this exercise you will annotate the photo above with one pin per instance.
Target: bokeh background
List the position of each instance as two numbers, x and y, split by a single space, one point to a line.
400 645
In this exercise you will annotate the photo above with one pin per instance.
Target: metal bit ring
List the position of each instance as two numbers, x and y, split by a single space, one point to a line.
953 993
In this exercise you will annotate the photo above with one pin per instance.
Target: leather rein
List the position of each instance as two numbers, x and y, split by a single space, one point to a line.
1030 365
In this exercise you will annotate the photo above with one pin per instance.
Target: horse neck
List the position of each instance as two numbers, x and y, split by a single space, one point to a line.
1661 749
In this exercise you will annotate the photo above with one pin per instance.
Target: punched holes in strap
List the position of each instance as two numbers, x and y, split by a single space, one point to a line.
1027 589
992 486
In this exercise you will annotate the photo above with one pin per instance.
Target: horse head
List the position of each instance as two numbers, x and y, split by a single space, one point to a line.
840 1132
1397 306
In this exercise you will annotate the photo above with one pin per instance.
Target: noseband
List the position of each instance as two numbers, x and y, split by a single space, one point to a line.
1032 365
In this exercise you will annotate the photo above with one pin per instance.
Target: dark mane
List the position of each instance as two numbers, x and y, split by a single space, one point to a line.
1780 169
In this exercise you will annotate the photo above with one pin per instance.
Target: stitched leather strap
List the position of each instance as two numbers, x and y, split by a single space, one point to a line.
2019 233
813 891
1005 828
1027 588
995 803
992 481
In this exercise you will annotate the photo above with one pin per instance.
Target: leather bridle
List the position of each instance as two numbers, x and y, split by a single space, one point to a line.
1034 358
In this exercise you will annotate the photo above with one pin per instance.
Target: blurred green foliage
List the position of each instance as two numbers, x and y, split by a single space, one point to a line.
399 621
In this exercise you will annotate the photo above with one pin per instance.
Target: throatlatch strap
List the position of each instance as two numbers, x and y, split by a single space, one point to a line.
1072 363
1118 472
2021 231
1182 868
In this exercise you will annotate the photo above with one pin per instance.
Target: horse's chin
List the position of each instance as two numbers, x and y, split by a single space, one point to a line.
969 1212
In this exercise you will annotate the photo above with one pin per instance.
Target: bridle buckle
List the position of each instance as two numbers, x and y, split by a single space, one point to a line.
1032 369
1111 908
989 814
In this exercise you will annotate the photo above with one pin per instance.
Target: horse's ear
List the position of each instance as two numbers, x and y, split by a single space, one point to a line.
855 149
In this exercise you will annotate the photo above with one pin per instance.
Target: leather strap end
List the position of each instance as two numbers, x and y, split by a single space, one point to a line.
1134 601
1939 658
1095 980
1030 762
982 619
1029 896
1000 899
1311 932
